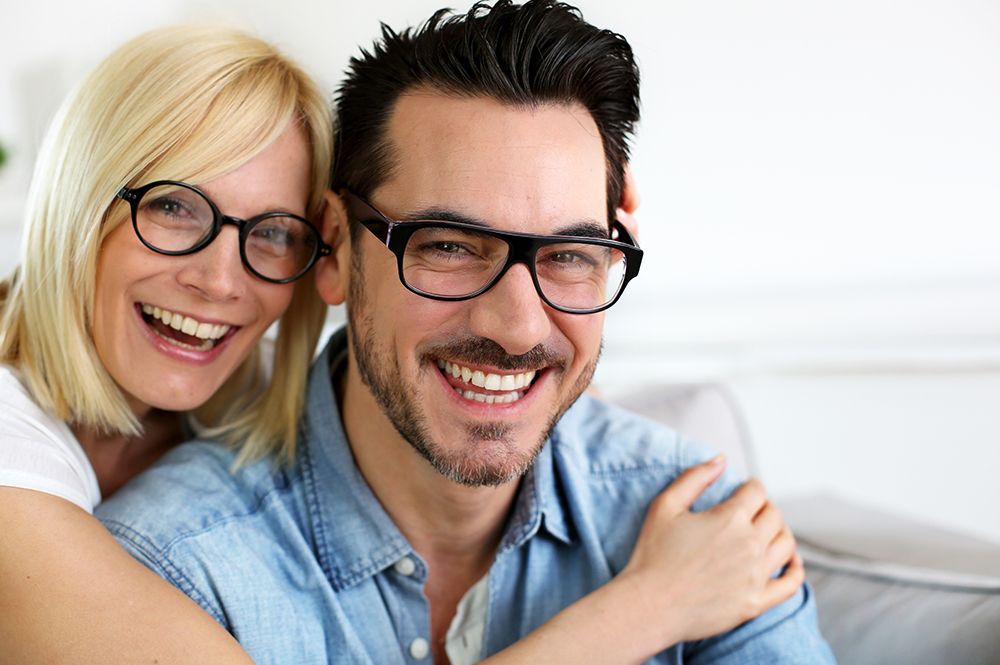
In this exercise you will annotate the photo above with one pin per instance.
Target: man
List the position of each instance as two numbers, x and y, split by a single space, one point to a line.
453 490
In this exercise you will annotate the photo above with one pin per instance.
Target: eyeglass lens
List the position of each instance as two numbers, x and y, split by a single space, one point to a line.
444 261
176 219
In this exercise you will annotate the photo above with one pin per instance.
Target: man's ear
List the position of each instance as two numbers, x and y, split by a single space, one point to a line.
629 203
630 192
333 271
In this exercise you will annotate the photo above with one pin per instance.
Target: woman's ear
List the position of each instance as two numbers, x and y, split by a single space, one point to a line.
333 271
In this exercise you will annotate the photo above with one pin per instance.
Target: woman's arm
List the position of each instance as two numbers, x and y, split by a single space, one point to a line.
70 595
691 576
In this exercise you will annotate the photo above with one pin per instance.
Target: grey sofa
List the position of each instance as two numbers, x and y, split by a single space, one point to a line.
888 590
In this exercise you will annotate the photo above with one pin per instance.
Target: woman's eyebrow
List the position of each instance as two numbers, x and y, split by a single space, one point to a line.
584 228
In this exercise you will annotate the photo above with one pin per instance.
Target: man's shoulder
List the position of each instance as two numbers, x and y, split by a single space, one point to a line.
193 489
611 464
607 441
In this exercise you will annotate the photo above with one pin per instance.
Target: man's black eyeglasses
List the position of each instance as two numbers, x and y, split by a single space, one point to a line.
176 218
445 260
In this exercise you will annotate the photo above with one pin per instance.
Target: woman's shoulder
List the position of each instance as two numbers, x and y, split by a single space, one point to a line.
19 412
38 451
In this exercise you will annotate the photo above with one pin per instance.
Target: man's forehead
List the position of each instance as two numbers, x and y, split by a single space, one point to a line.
449 116
484 158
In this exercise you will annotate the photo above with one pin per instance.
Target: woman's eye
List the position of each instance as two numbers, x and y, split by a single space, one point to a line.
165 206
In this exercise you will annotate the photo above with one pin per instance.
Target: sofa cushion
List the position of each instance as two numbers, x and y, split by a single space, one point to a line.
892 590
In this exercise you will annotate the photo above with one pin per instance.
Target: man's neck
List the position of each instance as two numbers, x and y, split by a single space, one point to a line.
456 529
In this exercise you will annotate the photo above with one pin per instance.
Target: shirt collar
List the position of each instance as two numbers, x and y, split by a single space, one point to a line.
540 505
356 538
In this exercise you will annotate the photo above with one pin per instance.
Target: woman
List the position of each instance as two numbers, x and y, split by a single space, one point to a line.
113 352
167 229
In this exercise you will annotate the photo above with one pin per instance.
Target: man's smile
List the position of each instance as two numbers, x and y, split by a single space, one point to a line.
497 388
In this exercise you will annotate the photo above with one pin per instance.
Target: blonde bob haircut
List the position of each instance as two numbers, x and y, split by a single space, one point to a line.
184 103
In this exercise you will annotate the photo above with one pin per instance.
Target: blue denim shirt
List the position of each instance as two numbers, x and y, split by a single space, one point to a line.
299 563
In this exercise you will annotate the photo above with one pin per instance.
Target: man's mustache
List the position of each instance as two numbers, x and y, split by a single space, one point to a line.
484 351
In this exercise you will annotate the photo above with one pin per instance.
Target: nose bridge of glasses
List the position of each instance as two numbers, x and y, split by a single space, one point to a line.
520 251
234 221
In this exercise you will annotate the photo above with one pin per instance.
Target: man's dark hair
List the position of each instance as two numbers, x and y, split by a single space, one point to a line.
523 55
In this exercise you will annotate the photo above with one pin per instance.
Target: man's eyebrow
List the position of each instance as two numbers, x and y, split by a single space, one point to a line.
587 228
584 228
443 215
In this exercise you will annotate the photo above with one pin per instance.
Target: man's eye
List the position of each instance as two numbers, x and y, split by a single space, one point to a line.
443 247
449 247
569 258
564 257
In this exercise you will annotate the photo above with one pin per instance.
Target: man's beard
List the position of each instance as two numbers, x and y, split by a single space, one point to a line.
490 456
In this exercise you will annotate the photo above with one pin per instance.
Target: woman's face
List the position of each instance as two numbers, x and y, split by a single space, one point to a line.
209 293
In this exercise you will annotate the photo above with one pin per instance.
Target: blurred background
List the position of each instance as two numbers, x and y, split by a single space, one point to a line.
820 212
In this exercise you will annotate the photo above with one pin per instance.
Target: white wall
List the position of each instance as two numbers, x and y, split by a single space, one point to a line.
820 214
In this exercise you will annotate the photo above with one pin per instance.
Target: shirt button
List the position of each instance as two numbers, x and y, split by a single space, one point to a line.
405 566
419 648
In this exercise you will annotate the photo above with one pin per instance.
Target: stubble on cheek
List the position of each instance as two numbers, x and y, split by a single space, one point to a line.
490 454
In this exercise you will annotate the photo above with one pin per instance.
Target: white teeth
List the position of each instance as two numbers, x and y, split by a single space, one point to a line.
187 325
480 379
503 398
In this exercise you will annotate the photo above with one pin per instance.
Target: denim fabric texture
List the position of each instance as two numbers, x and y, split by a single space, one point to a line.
300 563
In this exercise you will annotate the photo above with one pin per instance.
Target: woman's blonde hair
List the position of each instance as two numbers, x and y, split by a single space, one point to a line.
183 103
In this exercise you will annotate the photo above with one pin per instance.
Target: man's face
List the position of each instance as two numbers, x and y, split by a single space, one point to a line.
539 170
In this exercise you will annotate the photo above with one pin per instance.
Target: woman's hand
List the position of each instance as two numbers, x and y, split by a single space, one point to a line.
707 572
691 576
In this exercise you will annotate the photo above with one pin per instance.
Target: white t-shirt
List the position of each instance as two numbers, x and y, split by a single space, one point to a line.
39 452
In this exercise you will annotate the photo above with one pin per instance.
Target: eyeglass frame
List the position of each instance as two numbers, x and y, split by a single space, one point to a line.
522 248
133 196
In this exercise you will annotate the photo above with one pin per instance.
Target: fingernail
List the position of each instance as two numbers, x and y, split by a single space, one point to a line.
717 460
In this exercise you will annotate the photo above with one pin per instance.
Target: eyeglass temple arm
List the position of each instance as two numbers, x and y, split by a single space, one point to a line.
379 229
623 235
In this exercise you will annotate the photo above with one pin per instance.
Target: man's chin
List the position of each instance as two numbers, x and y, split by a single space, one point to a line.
487 454
477 470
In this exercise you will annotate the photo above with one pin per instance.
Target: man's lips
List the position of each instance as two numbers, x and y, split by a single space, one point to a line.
479 385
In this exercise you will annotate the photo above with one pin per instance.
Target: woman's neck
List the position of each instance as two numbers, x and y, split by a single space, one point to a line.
117 458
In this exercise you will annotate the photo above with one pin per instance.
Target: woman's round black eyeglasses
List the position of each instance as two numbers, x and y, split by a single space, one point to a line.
175 218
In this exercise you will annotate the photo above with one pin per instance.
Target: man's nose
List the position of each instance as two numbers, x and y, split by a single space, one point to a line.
216 271
512 313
